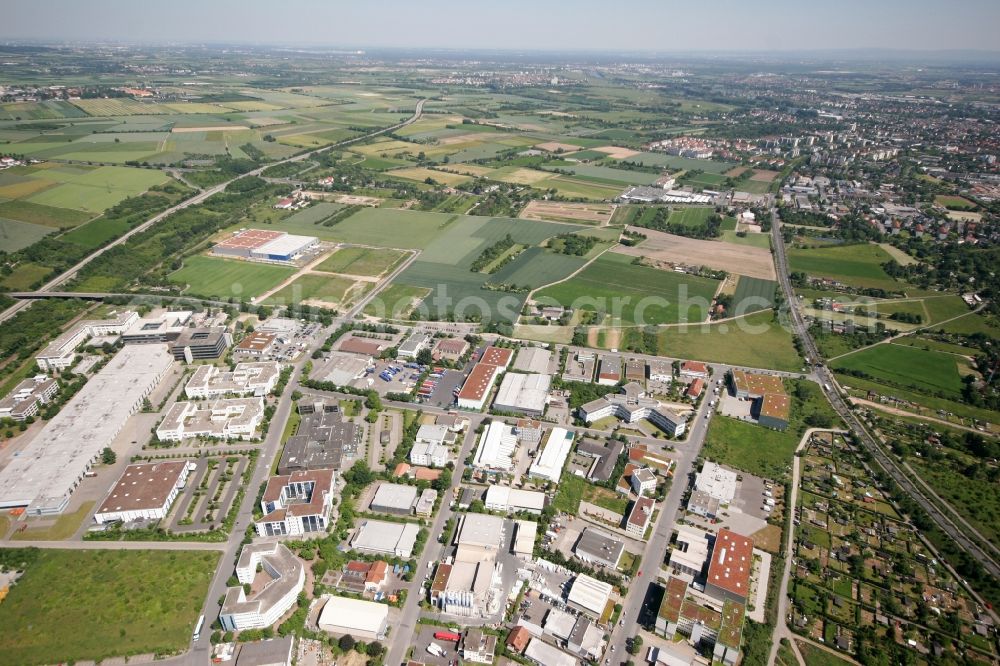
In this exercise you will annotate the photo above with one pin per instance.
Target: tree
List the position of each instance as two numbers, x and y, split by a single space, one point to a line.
375 649
346 643
108 456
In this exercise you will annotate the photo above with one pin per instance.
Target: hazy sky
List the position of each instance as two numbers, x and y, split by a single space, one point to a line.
660 25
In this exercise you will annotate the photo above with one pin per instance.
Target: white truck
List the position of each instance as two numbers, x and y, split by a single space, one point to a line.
435 650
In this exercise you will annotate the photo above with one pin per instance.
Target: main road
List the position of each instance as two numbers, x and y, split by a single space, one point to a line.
197 199
867 441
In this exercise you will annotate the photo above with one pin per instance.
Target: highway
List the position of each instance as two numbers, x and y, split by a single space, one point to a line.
197 199
830 388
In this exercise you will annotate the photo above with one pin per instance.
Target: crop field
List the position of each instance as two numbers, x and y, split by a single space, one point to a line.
742 259
75 605
569 186
95 190
607 174
396 301
520 175
306 219
686 163
218 278
332 290
118 107
558 211
632 294
46 216
855 265
15 235
389 227
361 261
757 341
760 291
907 367
47 110
420 174
751 239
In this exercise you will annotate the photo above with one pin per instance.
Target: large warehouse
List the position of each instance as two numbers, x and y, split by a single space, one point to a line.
262 245
145 491
527 394
362 619
44 476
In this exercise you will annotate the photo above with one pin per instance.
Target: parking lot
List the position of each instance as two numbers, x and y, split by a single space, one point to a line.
207 486
440 388
391 376
423 638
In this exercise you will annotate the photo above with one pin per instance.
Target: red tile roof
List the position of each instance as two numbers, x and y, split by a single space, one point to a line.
732 560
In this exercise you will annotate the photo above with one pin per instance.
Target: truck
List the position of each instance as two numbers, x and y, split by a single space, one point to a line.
435 650
447 636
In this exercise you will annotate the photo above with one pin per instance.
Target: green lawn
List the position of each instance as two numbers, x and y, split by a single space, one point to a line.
632 294
361 261
570 493
395 301
856 265
16 234
73 605
909 367
930 402
753 294
751 238
214 277
757 340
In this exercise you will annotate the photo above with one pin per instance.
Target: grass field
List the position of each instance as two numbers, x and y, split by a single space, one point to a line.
420 174
332 290
24 276
633 294
47 216
855 265
389 227
954 202
753 294
15 235
570 493
751 239
64 527
686 163
930 403
73 605
224 278
909 367
757 341
396 301
361 261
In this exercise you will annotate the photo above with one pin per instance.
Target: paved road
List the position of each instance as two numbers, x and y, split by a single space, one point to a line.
196 199
868 442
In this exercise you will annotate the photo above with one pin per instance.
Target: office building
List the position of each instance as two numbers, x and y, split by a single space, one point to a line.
716 481
221 418
274 590
257 379
632 405
514 500
322 440
27 397
199 344
61 352
298 503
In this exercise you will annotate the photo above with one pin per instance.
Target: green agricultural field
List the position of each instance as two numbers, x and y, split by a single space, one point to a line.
222 279
396 301
907 367
47 216
604 174
757 341
15 235
686 163
751 239
389 227
76 605
855 265
333 290
361 261
690 217
760 291
25 276
628 293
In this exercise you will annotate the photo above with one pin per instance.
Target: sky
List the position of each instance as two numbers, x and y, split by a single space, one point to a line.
620 25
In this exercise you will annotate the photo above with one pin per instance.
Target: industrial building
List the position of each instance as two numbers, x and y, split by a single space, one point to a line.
249 378
702 504
365 620
383 538
525 532
221 418
44 475
425 503
413 345
432 447
549 462
605 456
394 498
690 552
589 595
61 352
527 394
534 360
285 577
200 344
595 546
298 503
261 245
451 349
159 328
514 500
771 404
322 440
270 652
716 481
544 654
478 647
730 566
496 448
341 368
632 405
26 397
145 491
256 344
477 386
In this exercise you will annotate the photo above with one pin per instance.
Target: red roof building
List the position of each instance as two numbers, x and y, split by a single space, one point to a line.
730 566
695 388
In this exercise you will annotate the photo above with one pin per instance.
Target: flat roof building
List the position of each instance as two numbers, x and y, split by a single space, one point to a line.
589 595
479 537
533 359
595 546
221 418
717 481
413 344
248 378
730 566
544 654
256 344
26 397
274 590
264 245
702 504
496 448
549 462
361 619
163 327
514 500
322 440
394 498
297 503
144 491
270 652
195 344
525 532
341 368
632 405
527 394
61 352
44 475
478 385
690 552
383 538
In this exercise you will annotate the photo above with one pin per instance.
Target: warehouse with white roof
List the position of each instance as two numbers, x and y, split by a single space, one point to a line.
496 448
589 595
549 462
361 619
42 478
527 394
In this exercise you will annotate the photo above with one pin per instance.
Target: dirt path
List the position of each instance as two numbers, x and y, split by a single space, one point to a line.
910 332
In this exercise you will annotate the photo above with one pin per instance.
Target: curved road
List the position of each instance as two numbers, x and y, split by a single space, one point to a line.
197 199
882 459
